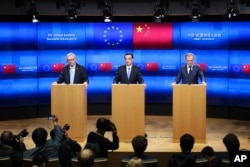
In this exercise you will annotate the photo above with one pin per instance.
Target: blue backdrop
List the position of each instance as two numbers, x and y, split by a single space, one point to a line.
32 56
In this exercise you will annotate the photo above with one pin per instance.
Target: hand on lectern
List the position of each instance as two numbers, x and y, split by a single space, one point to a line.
85 84
53 83
204 83
173 83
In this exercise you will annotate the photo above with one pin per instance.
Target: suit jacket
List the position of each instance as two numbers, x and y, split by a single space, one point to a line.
135 75
80 75
184 159
103 143
193 78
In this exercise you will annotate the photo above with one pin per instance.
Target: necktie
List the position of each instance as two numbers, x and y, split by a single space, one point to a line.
190 72
128 72
71 75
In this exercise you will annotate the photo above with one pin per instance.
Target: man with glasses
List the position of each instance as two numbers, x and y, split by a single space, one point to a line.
73 73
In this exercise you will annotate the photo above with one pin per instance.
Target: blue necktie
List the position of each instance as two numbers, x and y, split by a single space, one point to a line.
128 72
71 75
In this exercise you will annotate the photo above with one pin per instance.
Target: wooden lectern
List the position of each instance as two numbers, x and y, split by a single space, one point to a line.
69 104
189 111
128 105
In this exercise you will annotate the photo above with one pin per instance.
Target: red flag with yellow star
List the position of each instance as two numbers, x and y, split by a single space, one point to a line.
152 35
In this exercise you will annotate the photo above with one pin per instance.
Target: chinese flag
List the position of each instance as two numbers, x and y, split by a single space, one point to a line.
202 66
151 66
105 67
9 69
57 68
152 35
246 68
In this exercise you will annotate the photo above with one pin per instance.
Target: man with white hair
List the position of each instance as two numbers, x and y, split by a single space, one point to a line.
73 73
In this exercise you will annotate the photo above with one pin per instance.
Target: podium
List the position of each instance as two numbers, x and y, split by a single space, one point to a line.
69 104
189 111
128 110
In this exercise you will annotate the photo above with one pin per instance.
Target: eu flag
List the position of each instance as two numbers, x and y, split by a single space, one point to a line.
109 36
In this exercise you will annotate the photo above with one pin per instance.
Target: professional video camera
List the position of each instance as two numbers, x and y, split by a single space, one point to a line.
111 125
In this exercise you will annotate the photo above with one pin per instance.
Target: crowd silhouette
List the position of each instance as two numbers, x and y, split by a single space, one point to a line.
60 147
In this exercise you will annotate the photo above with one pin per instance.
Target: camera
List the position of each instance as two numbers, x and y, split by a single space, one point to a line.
23 134
110 125
50 117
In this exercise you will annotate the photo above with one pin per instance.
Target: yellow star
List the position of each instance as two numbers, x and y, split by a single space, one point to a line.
139 29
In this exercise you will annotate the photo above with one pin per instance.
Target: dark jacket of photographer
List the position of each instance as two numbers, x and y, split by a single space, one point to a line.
10 145
104 143
6 150
50 148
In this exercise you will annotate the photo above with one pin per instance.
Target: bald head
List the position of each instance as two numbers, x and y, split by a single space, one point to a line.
7 137
86 158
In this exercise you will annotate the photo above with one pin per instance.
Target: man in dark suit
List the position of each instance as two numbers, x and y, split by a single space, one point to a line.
190 73
128 73
73 73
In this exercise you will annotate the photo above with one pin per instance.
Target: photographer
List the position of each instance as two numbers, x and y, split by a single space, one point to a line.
98 138
47 147
12 144
68 149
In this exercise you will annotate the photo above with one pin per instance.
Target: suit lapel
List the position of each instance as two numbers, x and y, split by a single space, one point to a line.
76 73
67 76
186 71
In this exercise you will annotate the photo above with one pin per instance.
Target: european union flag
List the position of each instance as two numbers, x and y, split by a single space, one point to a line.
109 36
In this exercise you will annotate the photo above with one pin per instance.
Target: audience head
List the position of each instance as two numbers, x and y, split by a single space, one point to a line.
135 162
40 160
231 143
86 158
102 124
39 136
186 142
139 144
208 152
7 137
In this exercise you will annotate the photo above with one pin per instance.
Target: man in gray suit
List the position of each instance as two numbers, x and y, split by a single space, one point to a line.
190 72
128 73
